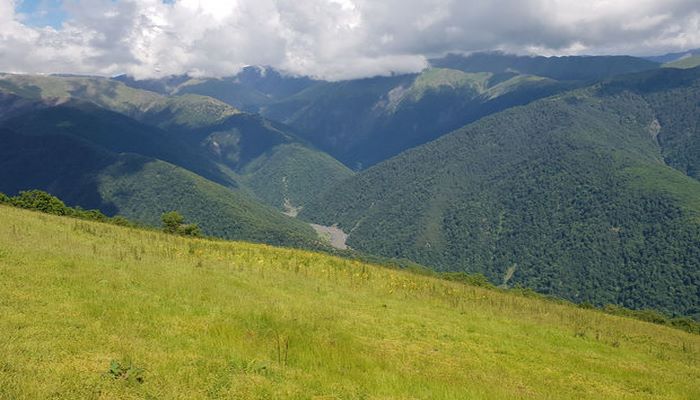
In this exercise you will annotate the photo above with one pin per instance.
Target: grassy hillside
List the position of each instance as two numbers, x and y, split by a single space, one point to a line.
189 111
569 195
685 62
98 311
142 190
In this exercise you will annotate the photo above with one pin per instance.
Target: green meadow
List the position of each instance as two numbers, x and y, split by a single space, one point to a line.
96 311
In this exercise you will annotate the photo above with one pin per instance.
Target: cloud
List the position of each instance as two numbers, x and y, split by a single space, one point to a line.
334 39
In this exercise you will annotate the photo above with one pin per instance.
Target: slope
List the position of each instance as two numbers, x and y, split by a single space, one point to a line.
198 133
183 111
671 57
142 188
686 62
267 159
117 133
567 68
249 90
92 310
365 121
569 195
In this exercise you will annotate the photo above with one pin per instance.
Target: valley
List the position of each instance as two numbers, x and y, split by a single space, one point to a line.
563 171
349 200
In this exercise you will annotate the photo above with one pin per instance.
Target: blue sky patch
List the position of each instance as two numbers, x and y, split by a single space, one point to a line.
41 13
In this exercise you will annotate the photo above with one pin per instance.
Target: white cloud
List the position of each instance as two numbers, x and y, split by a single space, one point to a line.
331 38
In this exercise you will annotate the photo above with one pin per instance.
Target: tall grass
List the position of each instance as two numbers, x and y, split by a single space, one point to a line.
91 310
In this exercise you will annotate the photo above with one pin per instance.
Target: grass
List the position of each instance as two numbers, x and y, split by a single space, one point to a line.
91 310
684 63
188 111
434 78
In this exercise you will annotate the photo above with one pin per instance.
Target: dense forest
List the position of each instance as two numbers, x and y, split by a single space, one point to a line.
569 195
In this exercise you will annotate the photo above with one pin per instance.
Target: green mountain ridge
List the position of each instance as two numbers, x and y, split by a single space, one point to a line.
198 133
685 62
566 68
138 187
189 111
365 121
570 195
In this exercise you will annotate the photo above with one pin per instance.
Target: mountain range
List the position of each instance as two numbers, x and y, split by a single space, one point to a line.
100 144
592 194
574 176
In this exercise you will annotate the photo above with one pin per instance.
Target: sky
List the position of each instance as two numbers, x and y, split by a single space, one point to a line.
330 39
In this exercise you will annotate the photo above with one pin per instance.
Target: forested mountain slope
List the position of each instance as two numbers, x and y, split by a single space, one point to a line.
574 195
362 122
195 132
139 187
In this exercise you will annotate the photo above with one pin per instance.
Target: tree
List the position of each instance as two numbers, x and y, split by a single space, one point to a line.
4 199
190 230
40 201
174 222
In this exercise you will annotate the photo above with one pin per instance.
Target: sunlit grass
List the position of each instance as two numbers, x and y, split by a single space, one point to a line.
205 319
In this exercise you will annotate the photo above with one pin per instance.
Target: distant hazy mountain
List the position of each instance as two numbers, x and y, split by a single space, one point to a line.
164 86
670 57
248 90
365 121
591 195
684 63
362 122
569 68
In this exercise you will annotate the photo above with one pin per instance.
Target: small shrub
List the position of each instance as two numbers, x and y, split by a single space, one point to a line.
470 279
190 230
126 371
90 215
686 324
121 221
586 305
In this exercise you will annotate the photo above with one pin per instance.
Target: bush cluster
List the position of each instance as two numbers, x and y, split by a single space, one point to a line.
174 223
39 200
